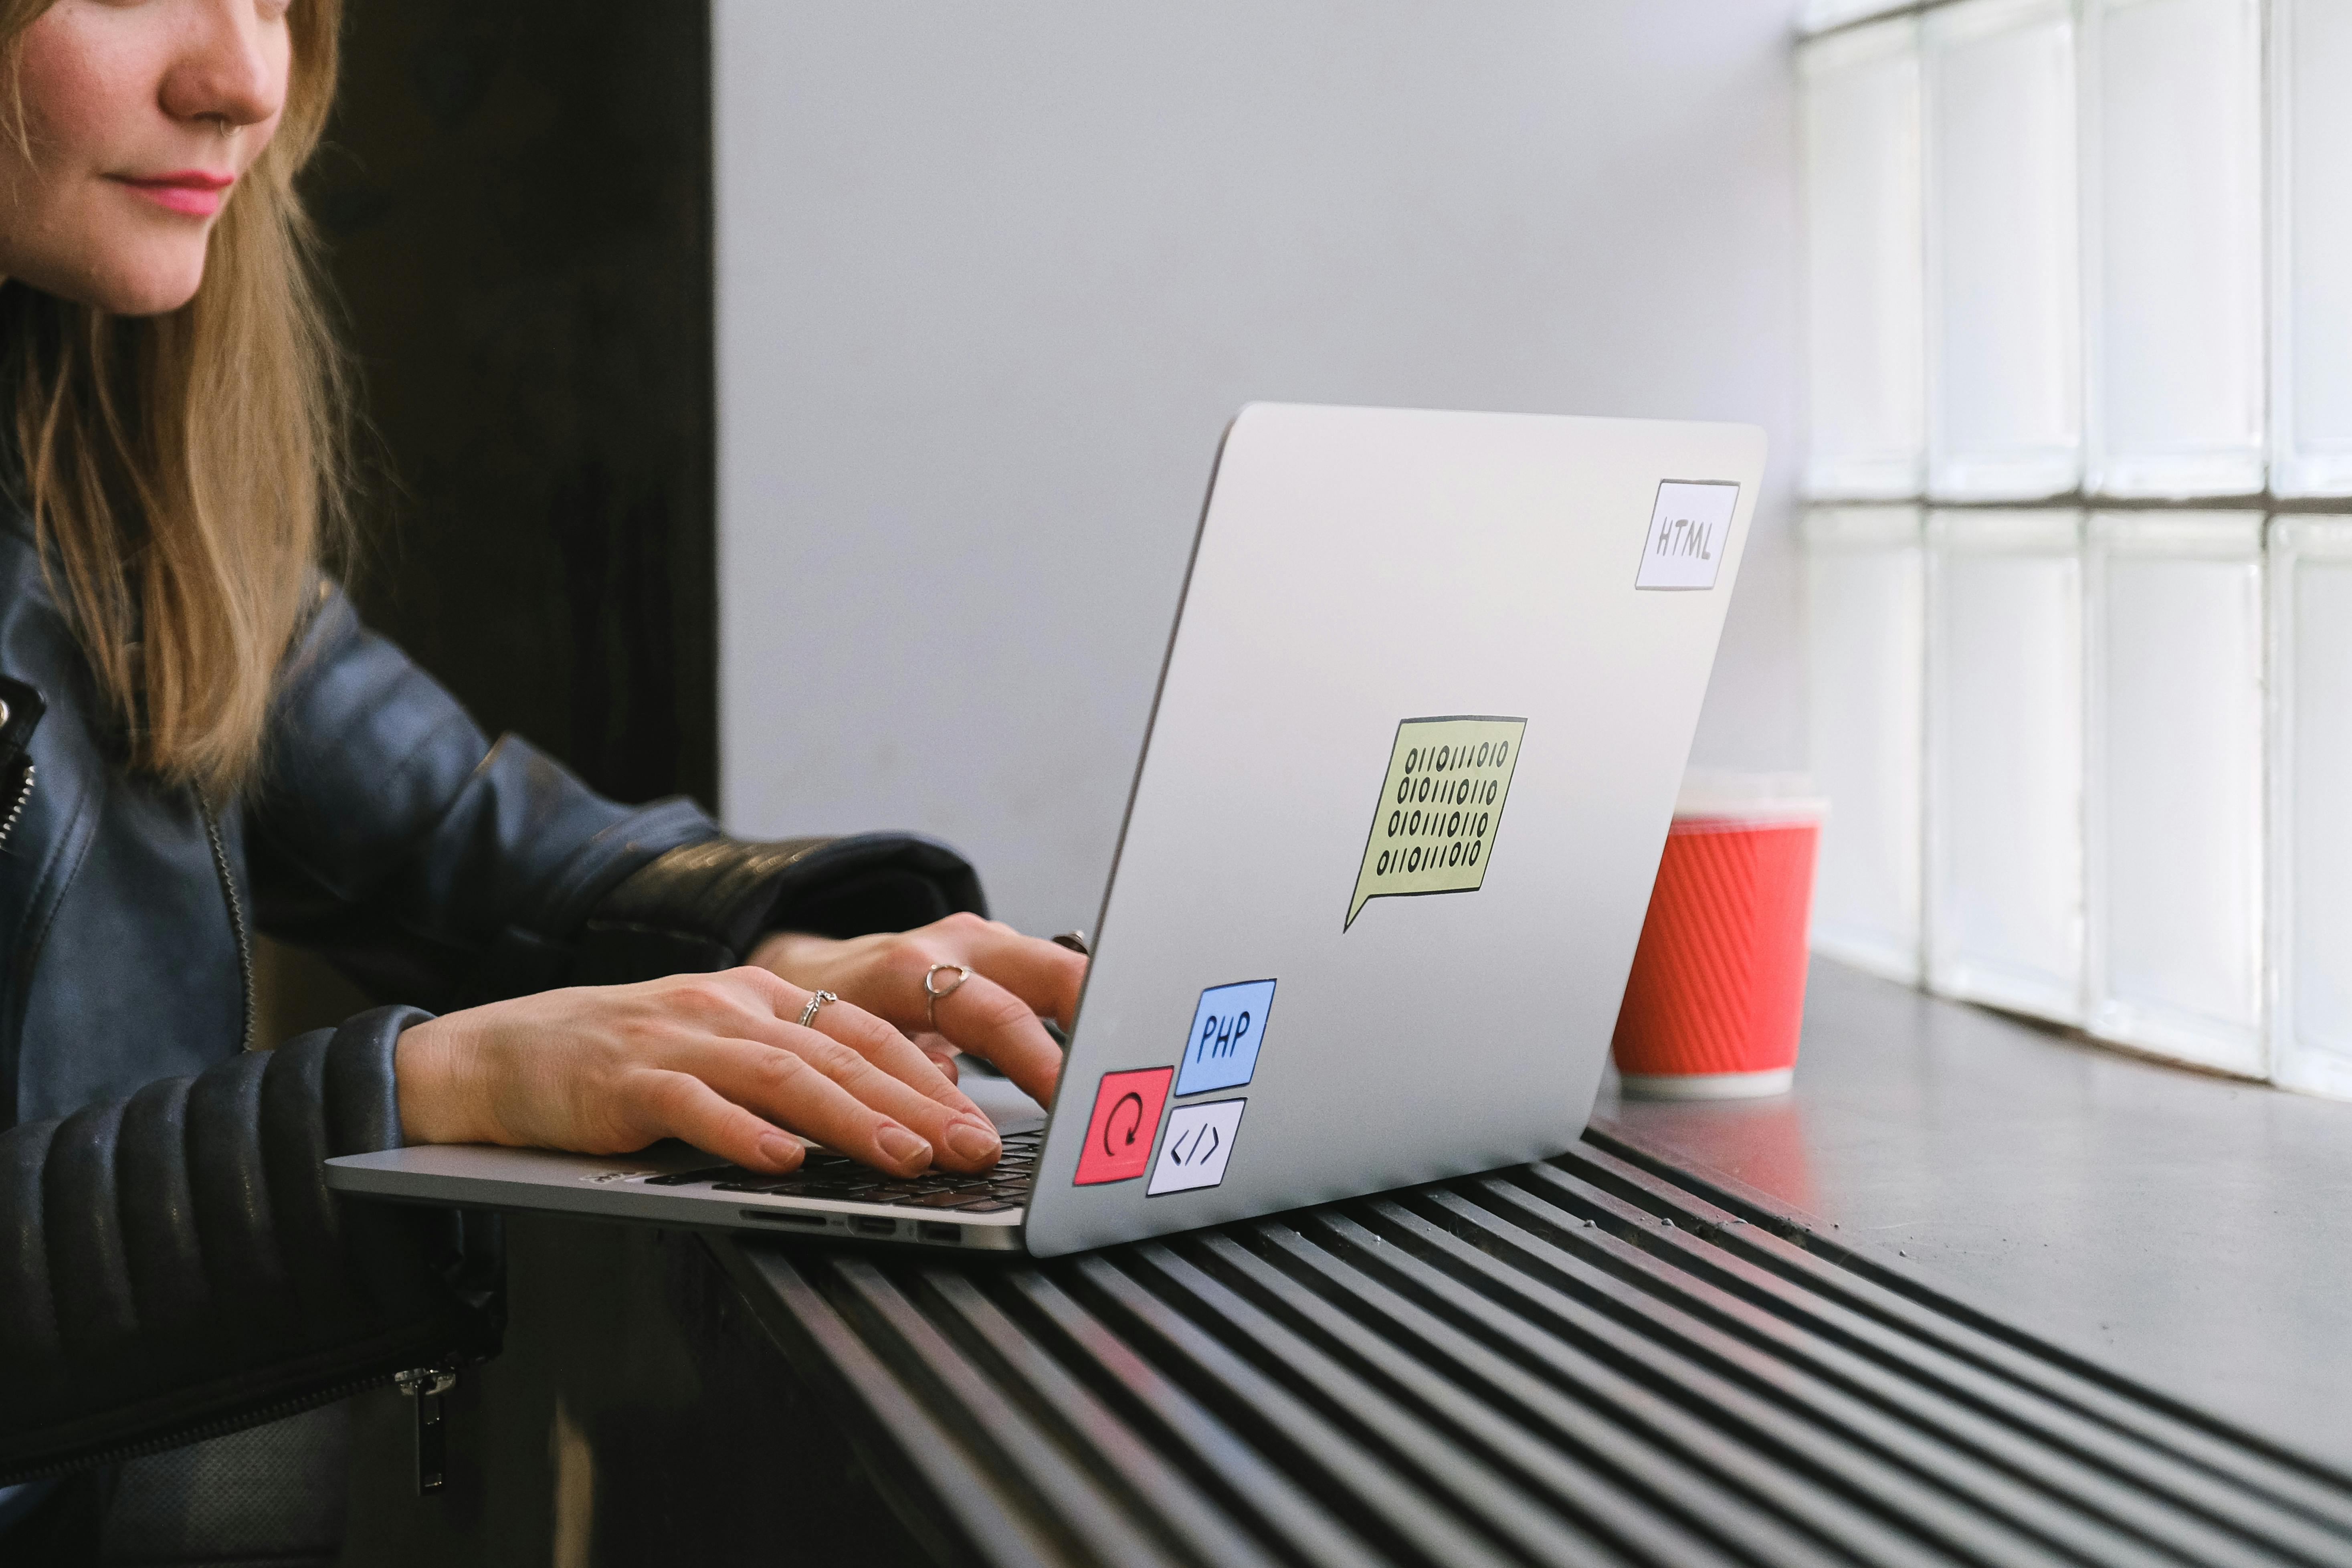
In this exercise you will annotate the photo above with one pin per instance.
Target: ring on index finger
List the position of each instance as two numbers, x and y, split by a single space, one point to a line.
816 1000
933 995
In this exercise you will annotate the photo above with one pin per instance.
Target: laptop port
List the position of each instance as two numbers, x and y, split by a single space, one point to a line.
783 1216
951 1234
864 1226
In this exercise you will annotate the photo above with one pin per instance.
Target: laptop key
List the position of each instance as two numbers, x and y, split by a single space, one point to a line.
689 1178
947 1200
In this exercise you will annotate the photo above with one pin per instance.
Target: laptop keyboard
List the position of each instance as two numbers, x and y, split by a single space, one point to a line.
824 1175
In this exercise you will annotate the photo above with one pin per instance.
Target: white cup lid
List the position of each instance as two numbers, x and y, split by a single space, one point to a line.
1774 797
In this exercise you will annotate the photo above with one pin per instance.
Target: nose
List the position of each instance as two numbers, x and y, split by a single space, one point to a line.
231 66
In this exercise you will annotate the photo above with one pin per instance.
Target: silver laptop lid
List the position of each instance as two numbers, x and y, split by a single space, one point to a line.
1431 692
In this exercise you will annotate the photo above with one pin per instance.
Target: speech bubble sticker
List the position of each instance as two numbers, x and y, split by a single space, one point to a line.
1119 1131
1228 1027
1439 808
1200 1140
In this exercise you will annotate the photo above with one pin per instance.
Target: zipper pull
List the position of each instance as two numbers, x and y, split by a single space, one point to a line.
426 1385
21 708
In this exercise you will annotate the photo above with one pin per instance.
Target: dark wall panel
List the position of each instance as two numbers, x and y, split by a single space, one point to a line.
515 202
516 198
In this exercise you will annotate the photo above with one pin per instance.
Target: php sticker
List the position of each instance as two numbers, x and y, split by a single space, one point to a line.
1118 1133
1439 808
1228 1026
1200 1140
1689 526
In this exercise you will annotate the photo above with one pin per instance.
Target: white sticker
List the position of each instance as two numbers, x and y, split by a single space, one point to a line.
1688 530
1199 1142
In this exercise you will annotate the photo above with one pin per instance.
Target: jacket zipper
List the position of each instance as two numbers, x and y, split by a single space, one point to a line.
236 911
426 1385
24 794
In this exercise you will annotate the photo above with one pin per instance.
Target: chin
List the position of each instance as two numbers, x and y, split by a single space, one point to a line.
145 280
156 293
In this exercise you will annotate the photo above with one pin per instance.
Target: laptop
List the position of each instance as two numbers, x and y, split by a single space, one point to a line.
1429 696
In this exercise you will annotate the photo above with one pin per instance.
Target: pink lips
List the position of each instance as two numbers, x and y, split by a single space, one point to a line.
194 192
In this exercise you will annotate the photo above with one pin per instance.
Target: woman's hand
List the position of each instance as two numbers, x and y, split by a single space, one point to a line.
717 1059
1016 980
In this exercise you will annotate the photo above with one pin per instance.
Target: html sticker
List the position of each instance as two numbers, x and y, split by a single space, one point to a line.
1118 1133
1439 809
1228 1026
1200 1140
1689 525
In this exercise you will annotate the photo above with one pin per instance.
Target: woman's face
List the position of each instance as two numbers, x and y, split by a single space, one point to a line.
126 103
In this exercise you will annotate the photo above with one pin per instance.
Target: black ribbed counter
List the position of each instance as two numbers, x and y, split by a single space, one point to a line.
1597 1360
1975 1293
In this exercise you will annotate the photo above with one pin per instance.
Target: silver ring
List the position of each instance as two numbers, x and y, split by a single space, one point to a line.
816 1000
1076 940
935 997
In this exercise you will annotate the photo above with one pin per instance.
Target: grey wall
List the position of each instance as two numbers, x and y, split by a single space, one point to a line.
993 275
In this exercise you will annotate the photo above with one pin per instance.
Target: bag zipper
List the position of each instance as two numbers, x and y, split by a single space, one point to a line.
235 910
222 1427
426 1385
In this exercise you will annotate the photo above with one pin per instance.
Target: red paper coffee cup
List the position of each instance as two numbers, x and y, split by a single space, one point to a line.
1716 995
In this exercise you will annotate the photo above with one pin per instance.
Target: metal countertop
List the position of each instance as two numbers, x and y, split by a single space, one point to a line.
2194 1233
1813 1330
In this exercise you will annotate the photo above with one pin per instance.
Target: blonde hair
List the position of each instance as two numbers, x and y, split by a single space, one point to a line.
185 472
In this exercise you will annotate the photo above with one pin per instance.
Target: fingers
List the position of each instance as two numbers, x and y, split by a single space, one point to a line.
893 1053
847 1080
705 1058
679 1105
1046 977
990 1021
825 1089
789 1089
943 1055
889 1072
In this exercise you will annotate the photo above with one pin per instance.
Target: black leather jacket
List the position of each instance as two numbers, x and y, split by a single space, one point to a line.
170 1262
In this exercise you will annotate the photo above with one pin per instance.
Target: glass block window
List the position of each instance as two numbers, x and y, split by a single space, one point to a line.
2079 394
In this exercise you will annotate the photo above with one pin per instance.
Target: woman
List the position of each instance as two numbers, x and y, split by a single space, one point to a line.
198 740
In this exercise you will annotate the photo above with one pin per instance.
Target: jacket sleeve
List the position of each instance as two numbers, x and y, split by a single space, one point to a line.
437 869
430 866
703 906
173 1264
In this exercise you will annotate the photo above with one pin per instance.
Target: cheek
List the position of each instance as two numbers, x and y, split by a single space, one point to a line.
87 85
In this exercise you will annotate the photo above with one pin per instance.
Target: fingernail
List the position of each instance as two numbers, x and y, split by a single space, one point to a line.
973 1141
902 1145
780 1150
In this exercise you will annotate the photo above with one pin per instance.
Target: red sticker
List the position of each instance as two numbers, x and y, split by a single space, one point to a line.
1119 1134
